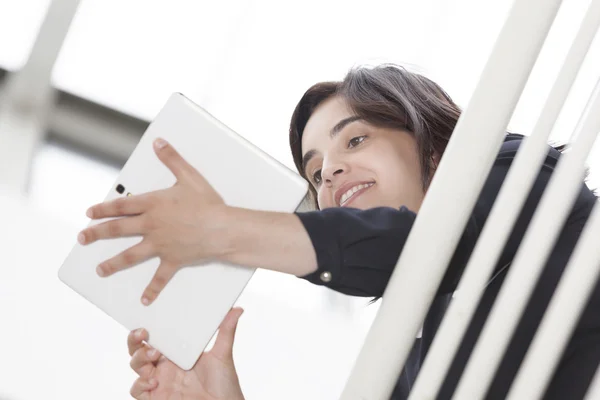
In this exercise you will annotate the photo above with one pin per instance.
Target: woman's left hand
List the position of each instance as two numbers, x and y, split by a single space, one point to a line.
182 225
212 378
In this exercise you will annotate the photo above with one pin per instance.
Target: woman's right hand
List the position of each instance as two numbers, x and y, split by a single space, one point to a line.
212 378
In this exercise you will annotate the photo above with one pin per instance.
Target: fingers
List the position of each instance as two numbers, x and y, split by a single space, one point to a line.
143 357
123 206
163 275
135 340
223 347
126 259
174 161
141 388
115 228
143 361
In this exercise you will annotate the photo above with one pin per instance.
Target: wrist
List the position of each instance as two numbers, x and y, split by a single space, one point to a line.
226 232
262 239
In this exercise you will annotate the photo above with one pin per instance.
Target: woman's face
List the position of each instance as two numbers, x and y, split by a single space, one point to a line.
354 164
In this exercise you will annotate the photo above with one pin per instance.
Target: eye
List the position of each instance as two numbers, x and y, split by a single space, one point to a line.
355 141
317 176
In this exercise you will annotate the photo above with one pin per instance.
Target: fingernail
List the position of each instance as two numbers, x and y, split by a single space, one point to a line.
89 213
81 238
100 271
151 353
138 333
160 143
145 301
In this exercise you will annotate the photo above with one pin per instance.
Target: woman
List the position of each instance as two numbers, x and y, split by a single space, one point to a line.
369 146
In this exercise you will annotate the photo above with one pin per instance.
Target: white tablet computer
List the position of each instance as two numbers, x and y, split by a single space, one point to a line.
188 312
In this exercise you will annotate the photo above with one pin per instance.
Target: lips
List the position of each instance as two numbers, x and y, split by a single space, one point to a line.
350 191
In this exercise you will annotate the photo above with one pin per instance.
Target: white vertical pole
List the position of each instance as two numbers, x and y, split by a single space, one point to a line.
502 217
563 312
545 226
593 392
37 71
419 270
28 97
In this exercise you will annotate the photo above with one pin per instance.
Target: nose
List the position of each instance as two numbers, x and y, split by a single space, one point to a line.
332 171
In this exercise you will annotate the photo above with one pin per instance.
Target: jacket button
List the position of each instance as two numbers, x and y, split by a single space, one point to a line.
326 276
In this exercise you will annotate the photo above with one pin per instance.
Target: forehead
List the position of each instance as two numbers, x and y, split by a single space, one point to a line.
322 120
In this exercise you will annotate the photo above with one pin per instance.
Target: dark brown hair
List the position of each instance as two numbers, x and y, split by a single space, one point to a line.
386 96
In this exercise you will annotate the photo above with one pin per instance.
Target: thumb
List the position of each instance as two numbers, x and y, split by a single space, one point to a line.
223 347
178 166
173 160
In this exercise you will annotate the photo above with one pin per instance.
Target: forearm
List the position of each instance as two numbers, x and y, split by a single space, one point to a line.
269 240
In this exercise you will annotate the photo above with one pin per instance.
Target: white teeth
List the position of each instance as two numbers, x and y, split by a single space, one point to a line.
346 196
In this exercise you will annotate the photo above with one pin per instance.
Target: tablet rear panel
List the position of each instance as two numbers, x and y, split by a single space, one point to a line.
187 313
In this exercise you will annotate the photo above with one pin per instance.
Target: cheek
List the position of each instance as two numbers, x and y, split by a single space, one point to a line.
392 169
404 163
322 198
401 182
405 175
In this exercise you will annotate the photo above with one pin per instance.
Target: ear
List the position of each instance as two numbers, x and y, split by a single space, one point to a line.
435 161
436 158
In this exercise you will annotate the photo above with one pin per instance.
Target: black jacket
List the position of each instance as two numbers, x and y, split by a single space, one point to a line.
360 248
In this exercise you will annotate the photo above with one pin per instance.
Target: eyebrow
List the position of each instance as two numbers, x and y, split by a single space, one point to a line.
342 124
333 133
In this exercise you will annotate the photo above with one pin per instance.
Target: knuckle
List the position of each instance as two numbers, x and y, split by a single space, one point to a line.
147 224
129 257
134 361
114 228
151 293
120 205
134 338
159 282
97 211
139 356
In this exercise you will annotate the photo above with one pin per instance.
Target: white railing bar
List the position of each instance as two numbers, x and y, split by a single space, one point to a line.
503 215
563 312
449 202
545 226
594 389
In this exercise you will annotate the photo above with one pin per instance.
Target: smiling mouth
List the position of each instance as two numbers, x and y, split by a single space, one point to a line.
353 193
